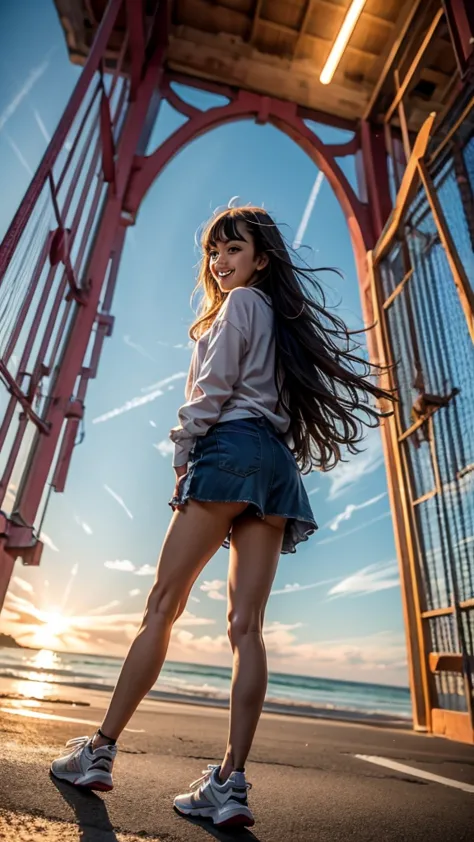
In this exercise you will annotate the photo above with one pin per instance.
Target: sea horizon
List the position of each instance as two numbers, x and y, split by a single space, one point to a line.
190 681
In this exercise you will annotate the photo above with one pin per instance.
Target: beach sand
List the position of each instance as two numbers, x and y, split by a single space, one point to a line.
309 781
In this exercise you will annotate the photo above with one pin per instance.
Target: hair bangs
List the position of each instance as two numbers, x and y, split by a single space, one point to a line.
223 229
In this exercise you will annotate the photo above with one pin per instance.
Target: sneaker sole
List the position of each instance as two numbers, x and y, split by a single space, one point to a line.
236 820
94 783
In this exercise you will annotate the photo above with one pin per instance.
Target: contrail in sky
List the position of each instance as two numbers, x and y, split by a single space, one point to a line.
18 153
31 80
308 209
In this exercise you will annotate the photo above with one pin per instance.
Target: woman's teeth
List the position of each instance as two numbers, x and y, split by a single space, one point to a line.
225 274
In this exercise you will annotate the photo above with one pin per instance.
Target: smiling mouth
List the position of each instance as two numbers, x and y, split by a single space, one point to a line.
223 275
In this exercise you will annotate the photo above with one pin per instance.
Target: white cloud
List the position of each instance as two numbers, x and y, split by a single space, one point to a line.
102 609
165 448
369 657
353 507
24 586
314 491
348 532
119 501
48 542
213 589
296 587
134 592
31 80
194 599
152 424
347 474
371 579
85 526
217 595
145 570
125 566
189 619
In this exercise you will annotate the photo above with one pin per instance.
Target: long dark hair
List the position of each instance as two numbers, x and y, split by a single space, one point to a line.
322 383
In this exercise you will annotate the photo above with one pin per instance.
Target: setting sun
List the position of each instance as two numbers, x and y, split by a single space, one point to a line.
54 626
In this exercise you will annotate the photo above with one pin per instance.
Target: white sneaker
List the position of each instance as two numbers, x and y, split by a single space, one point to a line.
226 804
82 766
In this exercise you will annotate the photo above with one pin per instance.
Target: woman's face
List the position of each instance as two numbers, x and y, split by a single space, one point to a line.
233 263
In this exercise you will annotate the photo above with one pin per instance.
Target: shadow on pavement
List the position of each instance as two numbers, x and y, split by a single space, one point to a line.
242 835
91 812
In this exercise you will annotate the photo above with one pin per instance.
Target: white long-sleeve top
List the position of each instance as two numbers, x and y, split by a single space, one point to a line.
232 372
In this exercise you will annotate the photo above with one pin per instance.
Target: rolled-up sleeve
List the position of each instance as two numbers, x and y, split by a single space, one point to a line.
214 385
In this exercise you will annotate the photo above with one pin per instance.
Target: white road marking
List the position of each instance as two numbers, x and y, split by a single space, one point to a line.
416 773
36 714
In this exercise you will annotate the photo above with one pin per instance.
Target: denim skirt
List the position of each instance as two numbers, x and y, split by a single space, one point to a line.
247 461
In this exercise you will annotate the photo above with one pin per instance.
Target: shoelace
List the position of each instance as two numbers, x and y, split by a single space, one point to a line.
76 742
206 773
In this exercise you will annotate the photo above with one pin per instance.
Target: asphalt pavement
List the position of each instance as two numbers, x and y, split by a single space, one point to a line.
313 780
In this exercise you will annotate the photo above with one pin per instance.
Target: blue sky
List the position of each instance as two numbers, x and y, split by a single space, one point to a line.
335 609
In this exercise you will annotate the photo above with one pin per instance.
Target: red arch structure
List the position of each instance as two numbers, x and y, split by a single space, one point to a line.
126 173
245 105
58 280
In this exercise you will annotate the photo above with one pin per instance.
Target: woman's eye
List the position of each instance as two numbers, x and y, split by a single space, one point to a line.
234 248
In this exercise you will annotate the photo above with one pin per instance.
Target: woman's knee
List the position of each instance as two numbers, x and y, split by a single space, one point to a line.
240 626
166 602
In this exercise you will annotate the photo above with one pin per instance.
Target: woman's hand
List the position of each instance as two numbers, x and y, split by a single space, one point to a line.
180 473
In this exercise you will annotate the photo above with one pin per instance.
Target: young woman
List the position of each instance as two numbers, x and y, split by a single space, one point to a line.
275 389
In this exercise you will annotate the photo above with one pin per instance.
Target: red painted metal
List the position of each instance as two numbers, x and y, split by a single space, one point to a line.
460 17
245 105
374 158
23 213
136 33
44 448
120 143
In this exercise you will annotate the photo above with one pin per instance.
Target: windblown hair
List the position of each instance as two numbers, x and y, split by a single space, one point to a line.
323 384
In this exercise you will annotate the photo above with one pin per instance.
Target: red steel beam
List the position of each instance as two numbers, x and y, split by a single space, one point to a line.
33 192
136 39
44 448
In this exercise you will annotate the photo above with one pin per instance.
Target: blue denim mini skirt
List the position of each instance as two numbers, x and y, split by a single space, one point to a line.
247 461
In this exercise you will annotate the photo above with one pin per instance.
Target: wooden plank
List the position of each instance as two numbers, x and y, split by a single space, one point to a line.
255 21
407 190
437 612
446 662
405 20
453 725
414 65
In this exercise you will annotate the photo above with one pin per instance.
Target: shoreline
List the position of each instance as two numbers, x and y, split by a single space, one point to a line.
60 693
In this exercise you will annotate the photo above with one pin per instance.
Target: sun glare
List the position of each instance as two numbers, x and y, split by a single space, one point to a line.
54 625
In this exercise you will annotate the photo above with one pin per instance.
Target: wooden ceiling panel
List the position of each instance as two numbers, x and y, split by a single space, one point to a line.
279 47
286 12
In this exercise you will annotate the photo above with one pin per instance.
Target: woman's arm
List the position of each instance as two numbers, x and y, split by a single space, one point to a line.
213 387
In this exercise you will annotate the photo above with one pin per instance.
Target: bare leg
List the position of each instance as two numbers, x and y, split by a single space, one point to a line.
254 555
193 537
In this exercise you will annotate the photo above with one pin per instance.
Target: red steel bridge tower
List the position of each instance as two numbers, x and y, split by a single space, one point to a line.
403 84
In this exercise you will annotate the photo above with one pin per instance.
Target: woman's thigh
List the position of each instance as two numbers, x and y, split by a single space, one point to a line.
254 555
193 537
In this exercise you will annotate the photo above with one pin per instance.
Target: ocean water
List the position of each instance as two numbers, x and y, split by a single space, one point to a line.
36 672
